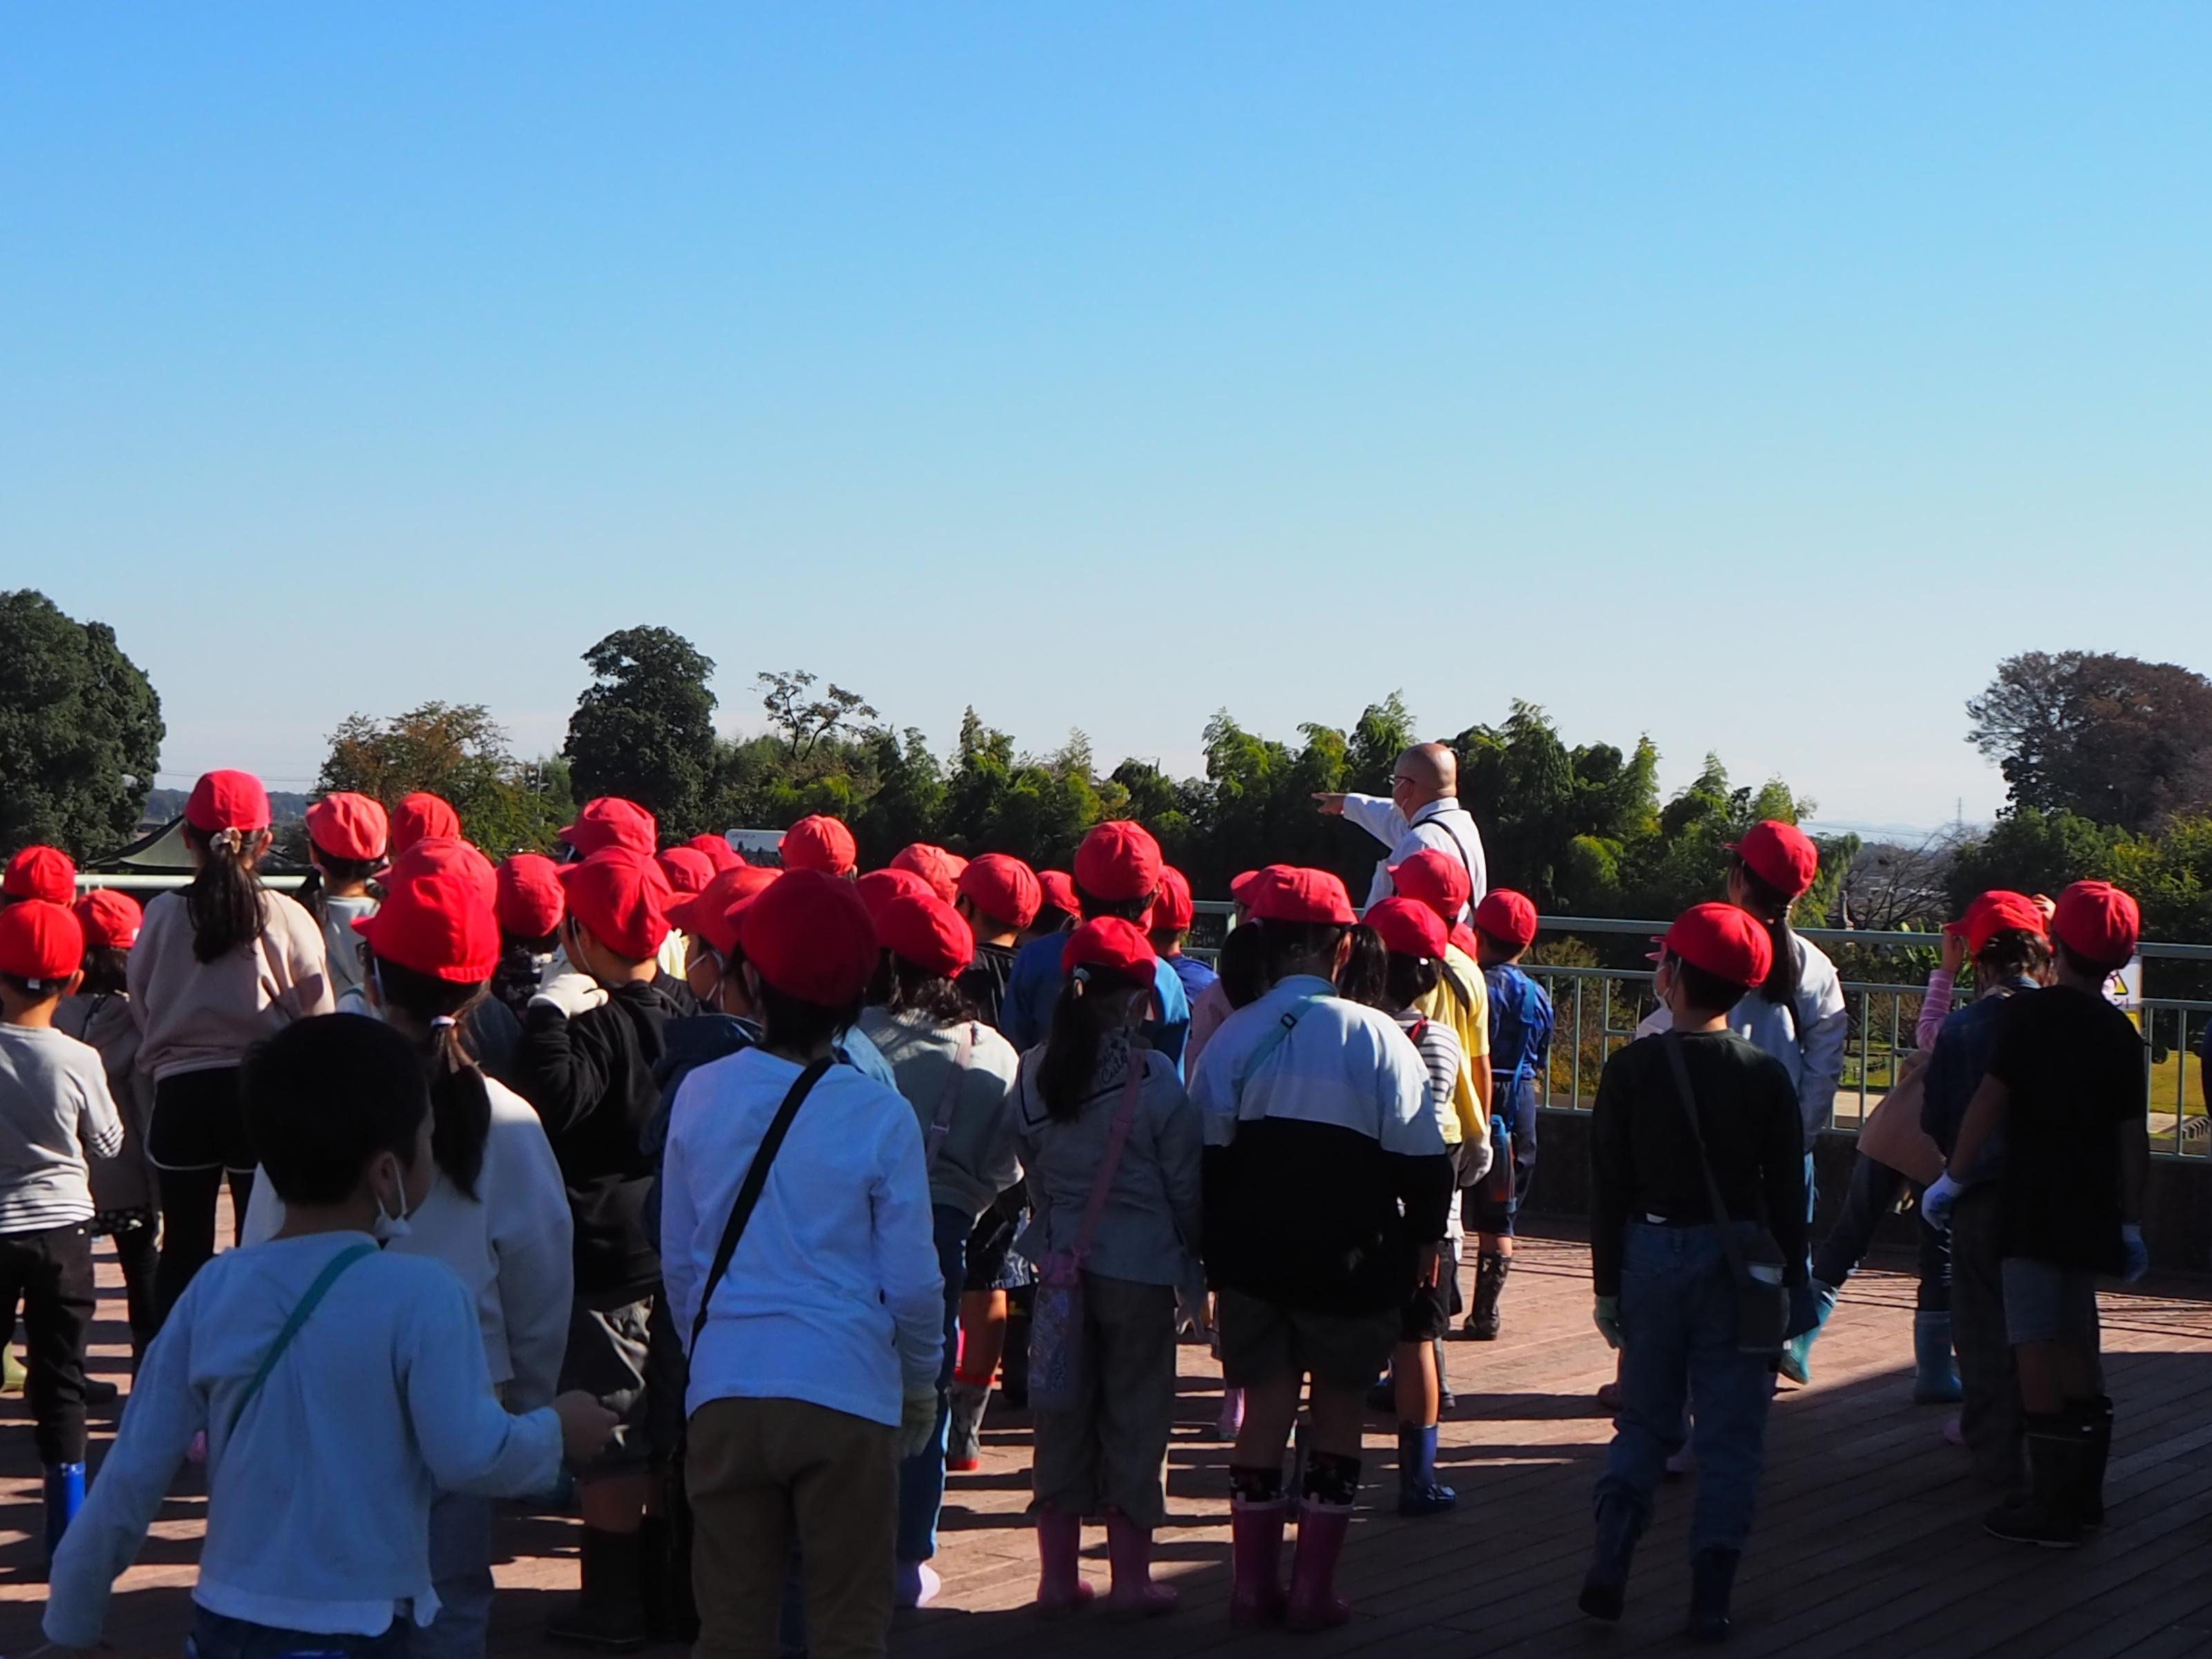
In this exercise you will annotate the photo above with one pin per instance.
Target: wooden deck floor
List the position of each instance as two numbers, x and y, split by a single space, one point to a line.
1867 1541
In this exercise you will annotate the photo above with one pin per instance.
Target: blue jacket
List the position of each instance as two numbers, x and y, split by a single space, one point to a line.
1026 1017
1961 1054
1520 1039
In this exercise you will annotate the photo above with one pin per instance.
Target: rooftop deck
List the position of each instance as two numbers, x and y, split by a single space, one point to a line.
1867 1539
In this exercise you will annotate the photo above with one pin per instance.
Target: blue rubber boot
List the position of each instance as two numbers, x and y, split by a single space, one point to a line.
1797 1351
1418 1492
1934 1379
64 1497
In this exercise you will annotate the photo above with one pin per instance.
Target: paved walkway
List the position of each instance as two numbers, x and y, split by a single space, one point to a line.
1867 1543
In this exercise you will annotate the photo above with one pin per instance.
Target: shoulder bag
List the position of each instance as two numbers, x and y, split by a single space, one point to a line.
948 1102
333 1270
1056 1315
1762 1301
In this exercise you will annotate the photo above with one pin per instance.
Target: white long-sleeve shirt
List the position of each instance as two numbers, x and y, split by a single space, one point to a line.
1442 825
509 1246
318 1493
1806 1034
834 1295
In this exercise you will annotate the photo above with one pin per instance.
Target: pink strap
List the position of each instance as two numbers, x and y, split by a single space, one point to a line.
1116 1139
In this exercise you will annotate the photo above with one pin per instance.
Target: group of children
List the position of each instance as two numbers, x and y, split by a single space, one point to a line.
751 1179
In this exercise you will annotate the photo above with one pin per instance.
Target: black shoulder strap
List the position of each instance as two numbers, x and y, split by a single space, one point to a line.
749 1190
1673 1042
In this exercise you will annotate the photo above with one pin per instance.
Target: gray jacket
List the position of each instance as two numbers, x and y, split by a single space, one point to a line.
975 1163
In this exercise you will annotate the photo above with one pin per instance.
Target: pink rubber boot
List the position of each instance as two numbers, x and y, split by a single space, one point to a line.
1315 1604
1255 1532
1060 1587
1134 1595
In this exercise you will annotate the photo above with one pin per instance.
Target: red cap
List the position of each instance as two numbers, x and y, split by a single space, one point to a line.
719 852
939 868
40 872
2000 911
1003 888
1464 941
1118 861
423 816
108 918
1057 889
610 821
2097 922
441 854
687 869
1173 908
1726 942
41 941
621 896
808 935
879 887
821 844
1780 854
439 923
528 899
928 932
1111 943
1437 880
711 912
1241 887
344 825
1284 892
1408 927
227 801
1507 916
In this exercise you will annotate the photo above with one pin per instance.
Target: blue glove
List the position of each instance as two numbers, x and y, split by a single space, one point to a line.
1937 1202
2131 1240
1607 1316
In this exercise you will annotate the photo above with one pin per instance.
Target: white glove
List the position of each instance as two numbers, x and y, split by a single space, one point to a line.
1935 1204
917 1427
572 992
1478 1164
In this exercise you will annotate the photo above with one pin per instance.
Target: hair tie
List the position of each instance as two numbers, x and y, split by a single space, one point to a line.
442 1022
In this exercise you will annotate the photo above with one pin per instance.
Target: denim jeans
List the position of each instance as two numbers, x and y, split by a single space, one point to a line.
1678 1341
1873 1193
921 1477
214 1636
460 1571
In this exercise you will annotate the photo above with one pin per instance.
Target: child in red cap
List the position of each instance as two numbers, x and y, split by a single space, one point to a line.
1000 897
1174 914
1520 1019
348 836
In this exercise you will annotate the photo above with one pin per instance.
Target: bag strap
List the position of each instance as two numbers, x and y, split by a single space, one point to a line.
948 1102
332 1271
1673 1042
749 1190
1264 1050
1116 1138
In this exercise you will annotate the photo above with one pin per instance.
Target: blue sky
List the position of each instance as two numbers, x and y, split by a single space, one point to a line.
1753 376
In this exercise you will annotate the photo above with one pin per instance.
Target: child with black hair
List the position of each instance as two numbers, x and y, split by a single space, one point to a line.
999 895
528 901
340 1387
1520 1011
346 835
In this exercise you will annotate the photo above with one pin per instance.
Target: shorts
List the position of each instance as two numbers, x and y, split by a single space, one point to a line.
1427 1313
992 1263
2044 1302
1261 1340
199 1122
609 1358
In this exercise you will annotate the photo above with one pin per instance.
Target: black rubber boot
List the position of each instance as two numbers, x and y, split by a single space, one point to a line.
1489 1284
1605 1587
1712 1581
664 1584
2057 1459
610 1615
2095 1417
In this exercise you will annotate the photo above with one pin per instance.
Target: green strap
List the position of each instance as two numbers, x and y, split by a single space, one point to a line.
332 1270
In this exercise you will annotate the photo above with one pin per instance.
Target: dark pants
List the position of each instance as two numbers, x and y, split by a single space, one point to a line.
921 1477
138 1250
1873 1193
188 1207
1989 1416
214 1636
198 1133
52 1272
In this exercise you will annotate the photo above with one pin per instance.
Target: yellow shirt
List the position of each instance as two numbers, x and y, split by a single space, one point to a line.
1467 1017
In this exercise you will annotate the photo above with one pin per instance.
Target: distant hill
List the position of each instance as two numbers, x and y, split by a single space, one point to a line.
163 804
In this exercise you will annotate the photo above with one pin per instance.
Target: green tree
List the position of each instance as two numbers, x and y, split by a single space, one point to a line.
456 750
644 728
2114 739
80 731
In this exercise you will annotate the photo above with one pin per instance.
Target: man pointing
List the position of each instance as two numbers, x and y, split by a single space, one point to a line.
1422 811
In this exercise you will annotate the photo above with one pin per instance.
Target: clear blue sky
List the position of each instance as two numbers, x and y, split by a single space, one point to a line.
1755 376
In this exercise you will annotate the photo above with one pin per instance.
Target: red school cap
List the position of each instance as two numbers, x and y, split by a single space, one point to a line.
940 869
40 942
821 844
439 923
1726 942
621 896
1118 861
711 912
1003 888
441 854
1507 916
686 869
1173 908
719 852
423 816
1436 878
1284 892
1408 927
1057 889
345 825
1780 854
109 917
1112 943
610 821
879 887
928 932
809 936
227 801
40 872
2097 922
2000 911
527 895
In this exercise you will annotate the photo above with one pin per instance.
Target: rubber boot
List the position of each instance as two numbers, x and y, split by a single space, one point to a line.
1797 1351
1313 1603
1256 1559
2058 1449
1418 1492
2095 1417
1934 1378
914 1584
64 1497
610 1615
963 1443
1231 1423
1605 1586
1489 1273
1129 1547
1712 1579
1445 1398
1060 1588
664 1584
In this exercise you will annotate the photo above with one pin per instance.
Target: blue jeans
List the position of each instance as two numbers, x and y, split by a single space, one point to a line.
1678 1341
921 1477
214 1636
1872 1194
460 1571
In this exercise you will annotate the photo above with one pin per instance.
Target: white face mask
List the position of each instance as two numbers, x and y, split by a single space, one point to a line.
388 1226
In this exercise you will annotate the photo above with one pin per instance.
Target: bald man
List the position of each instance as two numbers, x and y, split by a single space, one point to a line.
1422 811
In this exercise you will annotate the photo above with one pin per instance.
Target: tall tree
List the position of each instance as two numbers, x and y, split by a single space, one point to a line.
644 728
2113 739
80 731
456 750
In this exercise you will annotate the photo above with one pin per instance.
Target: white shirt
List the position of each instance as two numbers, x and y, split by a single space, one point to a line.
834 1295
1806 1034
54 1107
509 1246
1442 825
319 1495
342 947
